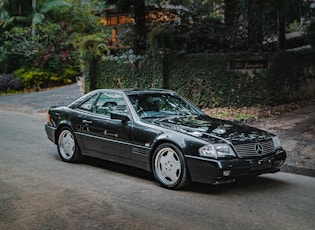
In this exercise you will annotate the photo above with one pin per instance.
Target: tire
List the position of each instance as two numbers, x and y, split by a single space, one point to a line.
169 167
68 148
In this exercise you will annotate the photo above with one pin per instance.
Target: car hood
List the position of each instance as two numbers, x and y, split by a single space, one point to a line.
212 129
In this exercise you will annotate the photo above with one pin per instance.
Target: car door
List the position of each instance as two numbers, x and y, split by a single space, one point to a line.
102 135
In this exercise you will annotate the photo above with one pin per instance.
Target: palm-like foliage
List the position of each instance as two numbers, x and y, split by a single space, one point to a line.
6 20
13 12
35 16
38 17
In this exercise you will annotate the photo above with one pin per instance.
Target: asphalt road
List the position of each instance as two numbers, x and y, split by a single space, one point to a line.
40 101
296 129
39 191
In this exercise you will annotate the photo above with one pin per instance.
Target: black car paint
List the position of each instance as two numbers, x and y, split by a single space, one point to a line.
216 130
133 141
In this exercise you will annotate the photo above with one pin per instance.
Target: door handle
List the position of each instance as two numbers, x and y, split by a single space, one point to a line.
86 122
110 134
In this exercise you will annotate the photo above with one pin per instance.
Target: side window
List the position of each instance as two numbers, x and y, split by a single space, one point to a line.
88 104
110 102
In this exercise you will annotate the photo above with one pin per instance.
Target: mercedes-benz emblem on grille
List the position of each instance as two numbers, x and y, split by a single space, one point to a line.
258 149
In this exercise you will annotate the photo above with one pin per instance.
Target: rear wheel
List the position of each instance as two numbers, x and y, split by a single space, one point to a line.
68 148
169 167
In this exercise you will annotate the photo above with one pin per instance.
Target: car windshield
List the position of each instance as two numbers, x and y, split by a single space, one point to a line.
161 105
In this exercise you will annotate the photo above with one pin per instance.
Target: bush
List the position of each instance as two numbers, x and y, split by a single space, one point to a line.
39 78
31 77
10 84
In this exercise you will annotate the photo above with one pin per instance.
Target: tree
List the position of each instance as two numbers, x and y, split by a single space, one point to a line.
255 24
39 15
278 15
60 26
91 54
14 12
139 12
281 7
162 44
28 12
140 27
232 14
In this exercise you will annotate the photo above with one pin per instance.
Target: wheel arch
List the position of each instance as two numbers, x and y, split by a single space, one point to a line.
160 142
185 178
60 127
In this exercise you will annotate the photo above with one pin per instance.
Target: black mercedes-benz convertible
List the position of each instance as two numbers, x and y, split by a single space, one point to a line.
160 131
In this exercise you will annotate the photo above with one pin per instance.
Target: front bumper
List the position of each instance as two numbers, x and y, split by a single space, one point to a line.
50 131
219 171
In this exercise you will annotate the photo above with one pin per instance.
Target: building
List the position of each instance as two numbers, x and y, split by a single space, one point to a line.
118 22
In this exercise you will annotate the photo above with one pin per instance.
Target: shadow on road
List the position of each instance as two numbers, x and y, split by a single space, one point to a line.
244 185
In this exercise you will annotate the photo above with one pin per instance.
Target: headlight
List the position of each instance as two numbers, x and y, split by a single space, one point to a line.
216 151
276 142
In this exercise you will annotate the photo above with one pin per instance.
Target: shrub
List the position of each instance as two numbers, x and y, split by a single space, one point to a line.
8 84
33 77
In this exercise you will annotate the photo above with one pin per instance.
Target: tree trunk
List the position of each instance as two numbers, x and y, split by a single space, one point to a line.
231 12
281 27
140 28
255 22
231 16
34 11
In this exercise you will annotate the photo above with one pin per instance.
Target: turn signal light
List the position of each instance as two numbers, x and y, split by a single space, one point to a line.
48 119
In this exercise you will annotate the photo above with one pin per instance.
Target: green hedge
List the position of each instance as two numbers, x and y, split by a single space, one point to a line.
142 74
206 79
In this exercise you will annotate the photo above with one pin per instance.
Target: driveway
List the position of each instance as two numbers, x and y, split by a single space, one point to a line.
40 101
296 129
38 191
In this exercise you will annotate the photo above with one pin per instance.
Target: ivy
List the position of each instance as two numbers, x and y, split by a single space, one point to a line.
206 80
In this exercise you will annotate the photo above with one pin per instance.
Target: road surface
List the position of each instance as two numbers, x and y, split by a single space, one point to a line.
39 191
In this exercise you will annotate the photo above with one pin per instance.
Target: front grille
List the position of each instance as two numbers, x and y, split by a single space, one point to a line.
248 150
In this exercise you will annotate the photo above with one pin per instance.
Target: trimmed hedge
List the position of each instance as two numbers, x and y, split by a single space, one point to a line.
142 74
207 81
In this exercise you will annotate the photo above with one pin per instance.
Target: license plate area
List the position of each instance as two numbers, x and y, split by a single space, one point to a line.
257 165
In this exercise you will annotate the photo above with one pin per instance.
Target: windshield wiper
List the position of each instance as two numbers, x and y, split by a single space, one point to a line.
153 117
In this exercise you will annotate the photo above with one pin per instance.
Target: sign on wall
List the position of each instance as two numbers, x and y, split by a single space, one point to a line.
248 64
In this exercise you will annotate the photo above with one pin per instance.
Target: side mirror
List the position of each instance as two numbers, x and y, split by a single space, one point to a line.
119 116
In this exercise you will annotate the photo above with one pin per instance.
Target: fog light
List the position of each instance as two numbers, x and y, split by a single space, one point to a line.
226 173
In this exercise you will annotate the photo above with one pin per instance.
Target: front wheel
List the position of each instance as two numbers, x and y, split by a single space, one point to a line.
68 148
169 167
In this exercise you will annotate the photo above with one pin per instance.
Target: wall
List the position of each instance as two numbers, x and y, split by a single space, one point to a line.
207 80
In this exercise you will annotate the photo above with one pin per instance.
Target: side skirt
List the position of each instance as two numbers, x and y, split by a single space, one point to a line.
120 160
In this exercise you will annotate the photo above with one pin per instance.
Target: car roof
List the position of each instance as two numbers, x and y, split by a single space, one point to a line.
145 91
135 91
124 91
